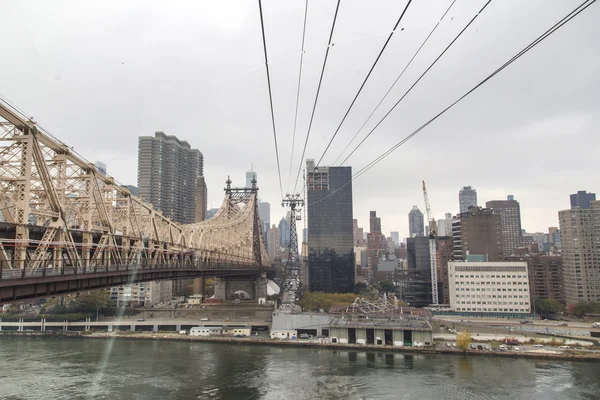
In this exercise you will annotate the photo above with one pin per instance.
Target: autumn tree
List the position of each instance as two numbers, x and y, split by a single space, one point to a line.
463 340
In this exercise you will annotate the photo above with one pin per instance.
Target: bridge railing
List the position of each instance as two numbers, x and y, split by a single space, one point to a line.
130 268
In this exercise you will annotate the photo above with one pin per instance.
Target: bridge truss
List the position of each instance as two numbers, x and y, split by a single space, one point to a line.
61 214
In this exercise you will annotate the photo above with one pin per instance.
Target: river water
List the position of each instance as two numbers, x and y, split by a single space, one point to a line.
62 368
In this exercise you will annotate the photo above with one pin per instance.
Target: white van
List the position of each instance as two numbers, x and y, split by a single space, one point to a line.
595 324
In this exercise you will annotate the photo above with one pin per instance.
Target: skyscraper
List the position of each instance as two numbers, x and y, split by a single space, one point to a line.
444 225
376 242
168 169
510 213
467 197
201 199
374 222
330 233
284 230
264 212
582 199
250 175
416 225
395 238
580 242
477 231
274 238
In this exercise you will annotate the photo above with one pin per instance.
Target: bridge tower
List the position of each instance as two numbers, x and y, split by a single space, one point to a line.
292 268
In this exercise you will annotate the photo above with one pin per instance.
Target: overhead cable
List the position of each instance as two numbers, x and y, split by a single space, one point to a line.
527 48
298 96
395 82
418 80
365 81
318 91
262 26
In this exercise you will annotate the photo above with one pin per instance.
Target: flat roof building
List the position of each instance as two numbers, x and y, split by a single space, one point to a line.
489 287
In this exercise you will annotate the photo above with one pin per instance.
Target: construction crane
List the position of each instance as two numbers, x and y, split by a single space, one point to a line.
432 247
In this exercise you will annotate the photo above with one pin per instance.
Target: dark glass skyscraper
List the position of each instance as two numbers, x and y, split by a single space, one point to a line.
330 229
582 199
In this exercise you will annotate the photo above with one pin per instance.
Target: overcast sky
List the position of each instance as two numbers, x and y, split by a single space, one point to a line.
99 74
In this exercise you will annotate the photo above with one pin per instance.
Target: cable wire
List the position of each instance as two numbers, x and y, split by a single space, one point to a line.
395 82
582 7
262 26
418 80
297 96
318 91
364 82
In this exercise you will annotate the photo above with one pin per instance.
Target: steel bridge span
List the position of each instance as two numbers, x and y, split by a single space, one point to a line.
67 227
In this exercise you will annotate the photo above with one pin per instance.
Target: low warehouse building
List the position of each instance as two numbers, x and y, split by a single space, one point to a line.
382 332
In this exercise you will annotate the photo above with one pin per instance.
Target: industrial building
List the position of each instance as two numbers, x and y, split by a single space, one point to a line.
382 323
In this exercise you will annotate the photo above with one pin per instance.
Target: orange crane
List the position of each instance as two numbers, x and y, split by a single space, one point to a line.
432 247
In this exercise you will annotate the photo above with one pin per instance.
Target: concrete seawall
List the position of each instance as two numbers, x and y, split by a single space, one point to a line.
565 355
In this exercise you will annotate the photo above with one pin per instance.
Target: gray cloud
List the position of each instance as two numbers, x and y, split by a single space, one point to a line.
98 75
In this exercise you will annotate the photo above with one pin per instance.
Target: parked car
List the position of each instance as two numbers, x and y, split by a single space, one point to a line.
227 320
563 324
182 332
204 319
516 348
140 320
502 347
254 333
448 344
526 322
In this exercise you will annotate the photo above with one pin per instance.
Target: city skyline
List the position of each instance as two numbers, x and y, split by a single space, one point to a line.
233 103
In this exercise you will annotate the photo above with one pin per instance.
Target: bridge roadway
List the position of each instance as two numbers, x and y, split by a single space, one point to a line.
18 284
152 325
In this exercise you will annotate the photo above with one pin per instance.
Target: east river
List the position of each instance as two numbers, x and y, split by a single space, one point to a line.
67 368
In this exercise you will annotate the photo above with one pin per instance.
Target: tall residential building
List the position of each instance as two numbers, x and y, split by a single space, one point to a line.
444 253
467 197
284 230
444 225
250 175
357 233
142 294
100 166
510 214
582 199
201 199
546 277
395 238
330 233
477 231
580 242
416 224
489 287
274 238
374 222
168 169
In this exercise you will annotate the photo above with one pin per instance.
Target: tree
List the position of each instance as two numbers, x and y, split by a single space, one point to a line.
548 306
360 287
463 340
387 287
90 301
